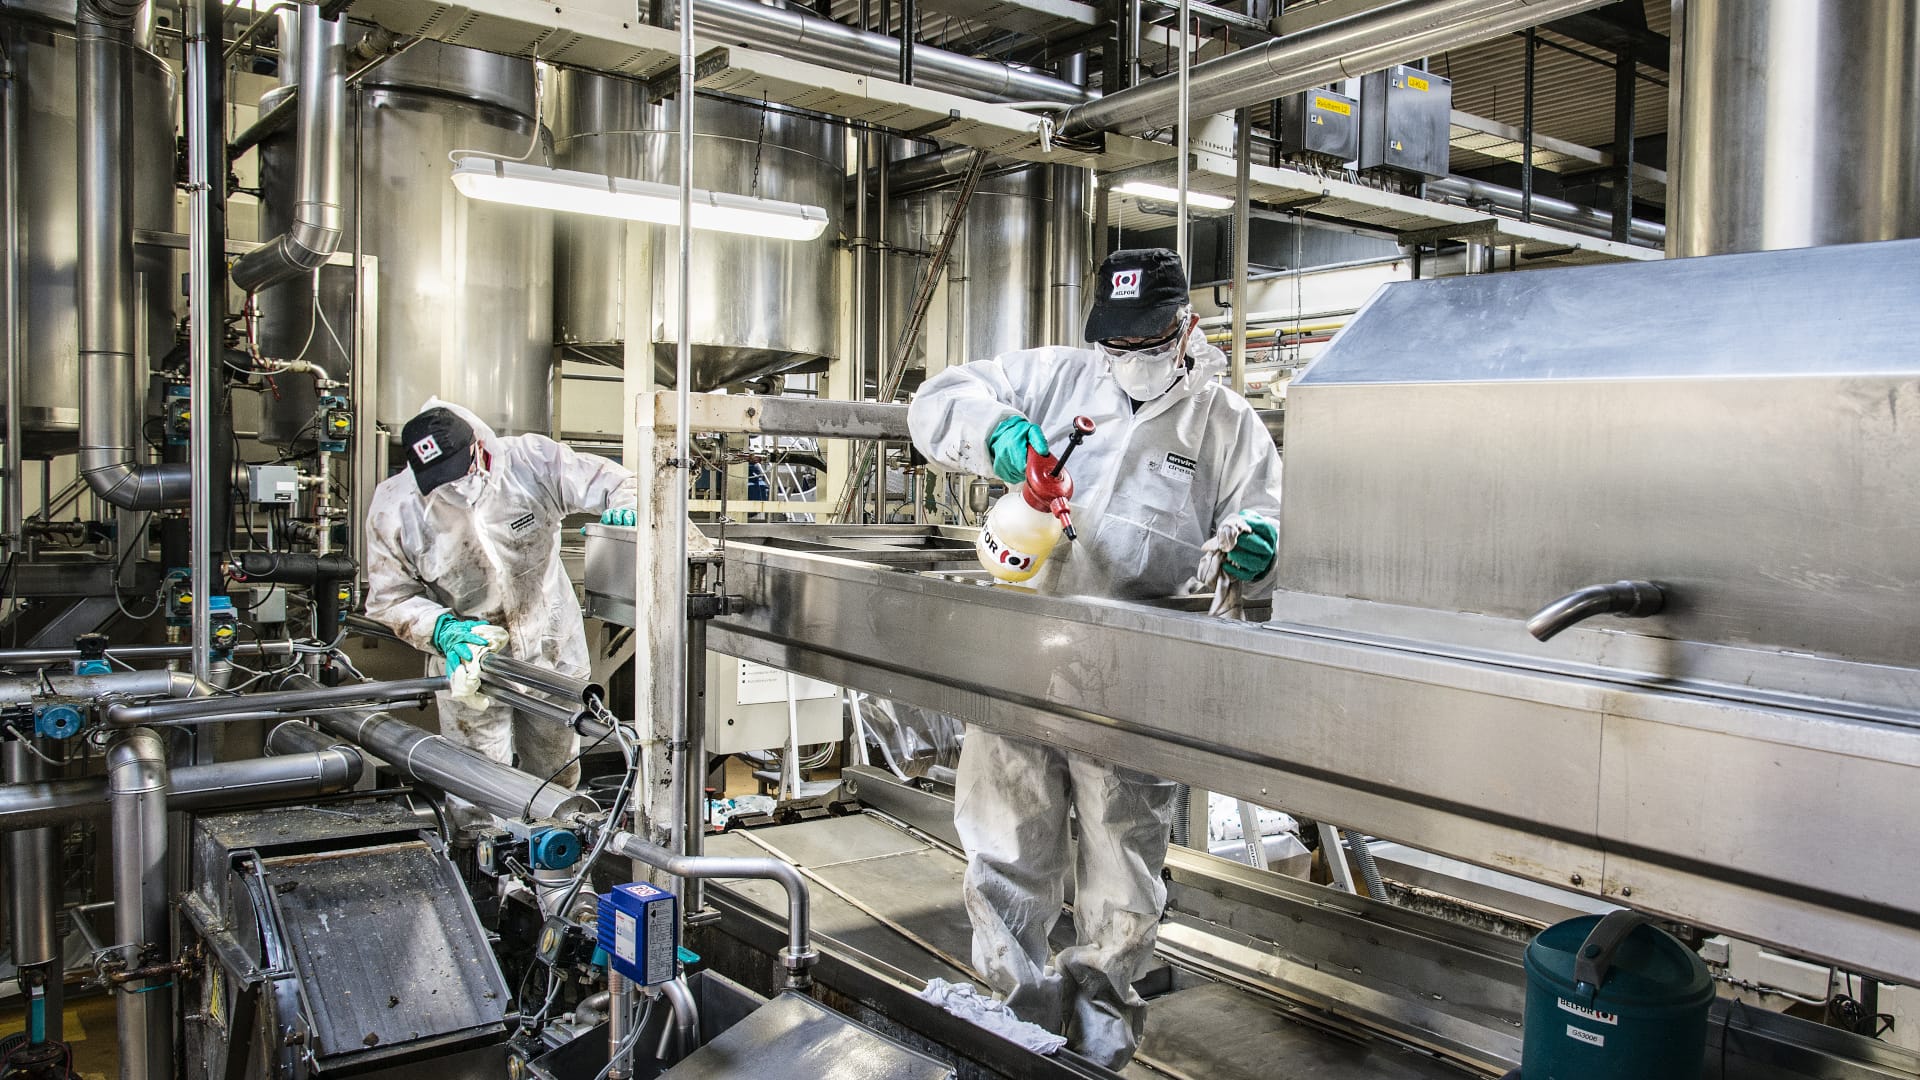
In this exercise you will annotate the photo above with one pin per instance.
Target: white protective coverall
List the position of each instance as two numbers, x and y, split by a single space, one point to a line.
1150 487
496 558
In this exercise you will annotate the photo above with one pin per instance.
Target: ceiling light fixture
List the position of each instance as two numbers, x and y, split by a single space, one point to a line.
1163 193
520 183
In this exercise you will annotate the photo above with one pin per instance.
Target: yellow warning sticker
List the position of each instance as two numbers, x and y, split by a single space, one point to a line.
1333 106
1416 82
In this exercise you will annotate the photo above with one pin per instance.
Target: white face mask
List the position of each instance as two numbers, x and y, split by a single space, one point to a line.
1148 373
466 490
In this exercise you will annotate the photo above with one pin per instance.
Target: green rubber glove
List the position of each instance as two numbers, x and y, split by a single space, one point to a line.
1009 443
618 517
455 639
1253 555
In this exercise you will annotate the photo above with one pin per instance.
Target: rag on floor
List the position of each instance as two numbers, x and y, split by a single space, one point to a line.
965 1001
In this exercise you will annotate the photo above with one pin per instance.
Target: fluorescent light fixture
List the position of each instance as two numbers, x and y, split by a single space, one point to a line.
1165 194
520 183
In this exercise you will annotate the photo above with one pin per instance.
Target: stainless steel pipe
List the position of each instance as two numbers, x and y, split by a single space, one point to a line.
36 804
154 682
250 706
319 209
1570 216
134 653
30 857
799 955
110 442
564 687
790 32
432 760
137 792
1346 48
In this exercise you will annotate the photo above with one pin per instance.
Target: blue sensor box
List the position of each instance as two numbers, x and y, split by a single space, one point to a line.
640 931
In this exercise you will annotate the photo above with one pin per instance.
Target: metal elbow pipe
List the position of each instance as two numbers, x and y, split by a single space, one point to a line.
799 955
319 210
1627 599
109 430
686 1015
137 797
40 804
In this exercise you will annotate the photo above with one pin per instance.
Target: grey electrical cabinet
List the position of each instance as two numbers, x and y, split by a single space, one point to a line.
1320 125
1405 122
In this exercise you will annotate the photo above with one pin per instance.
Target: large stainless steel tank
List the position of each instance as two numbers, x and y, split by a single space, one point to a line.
759 305
600 125
466 301
997 286
464 287
42 53
1798 123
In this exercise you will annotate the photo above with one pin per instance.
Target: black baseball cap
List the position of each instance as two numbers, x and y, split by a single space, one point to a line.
1136 294
439 447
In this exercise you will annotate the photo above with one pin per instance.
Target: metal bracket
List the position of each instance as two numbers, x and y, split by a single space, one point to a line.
947 121
712 605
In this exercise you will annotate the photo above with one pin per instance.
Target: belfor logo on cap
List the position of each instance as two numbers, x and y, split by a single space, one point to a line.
426 450
1137 294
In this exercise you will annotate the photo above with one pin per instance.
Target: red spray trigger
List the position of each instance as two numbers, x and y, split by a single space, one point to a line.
1049 489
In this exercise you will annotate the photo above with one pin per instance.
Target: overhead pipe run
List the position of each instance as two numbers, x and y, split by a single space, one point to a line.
319 209
259 706
110 439
822 41
195 788
1347 48
1570 216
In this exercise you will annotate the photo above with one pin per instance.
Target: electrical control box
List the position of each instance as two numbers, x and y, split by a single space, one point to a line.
1320 125
639 928
273 484
747 707
1406 122
264 603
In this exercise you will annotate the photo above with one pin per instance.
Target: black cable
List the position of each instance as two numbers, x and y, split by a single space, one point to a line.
526 813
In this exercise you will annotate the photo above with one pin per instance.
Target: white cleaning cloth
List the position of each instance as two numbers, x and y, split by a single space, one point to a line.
1211 576
463 682
965 1001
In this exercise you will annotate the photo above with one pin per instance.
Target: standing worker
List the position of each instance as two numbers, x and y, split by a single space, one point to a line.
1175 456
469 537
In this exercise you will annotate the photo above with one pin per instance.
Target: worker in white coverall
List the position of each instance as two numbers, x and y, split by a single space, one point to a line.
469 536
1174 456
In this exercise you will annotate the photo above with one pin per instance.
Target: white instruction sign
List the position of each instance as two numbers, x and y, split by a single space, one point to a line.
762 685
625 935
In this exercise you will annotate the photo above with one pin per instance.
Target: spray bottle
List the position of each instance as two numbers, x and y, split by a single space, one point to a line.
1027 522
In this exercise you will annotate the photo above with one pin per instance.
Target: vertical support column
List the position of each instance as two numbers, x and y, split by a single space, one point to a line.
1067 234
12 115
1242 226
207 284
1624 80
1185 140
1526 128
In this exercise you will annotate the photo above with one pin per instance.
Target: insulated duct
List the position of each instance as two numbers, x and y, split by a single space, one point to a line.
811 38
319 209
1347 48
109 424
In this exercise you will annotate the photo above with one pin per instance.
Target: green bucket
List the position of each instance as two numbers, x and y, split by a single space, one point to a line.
1614 999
